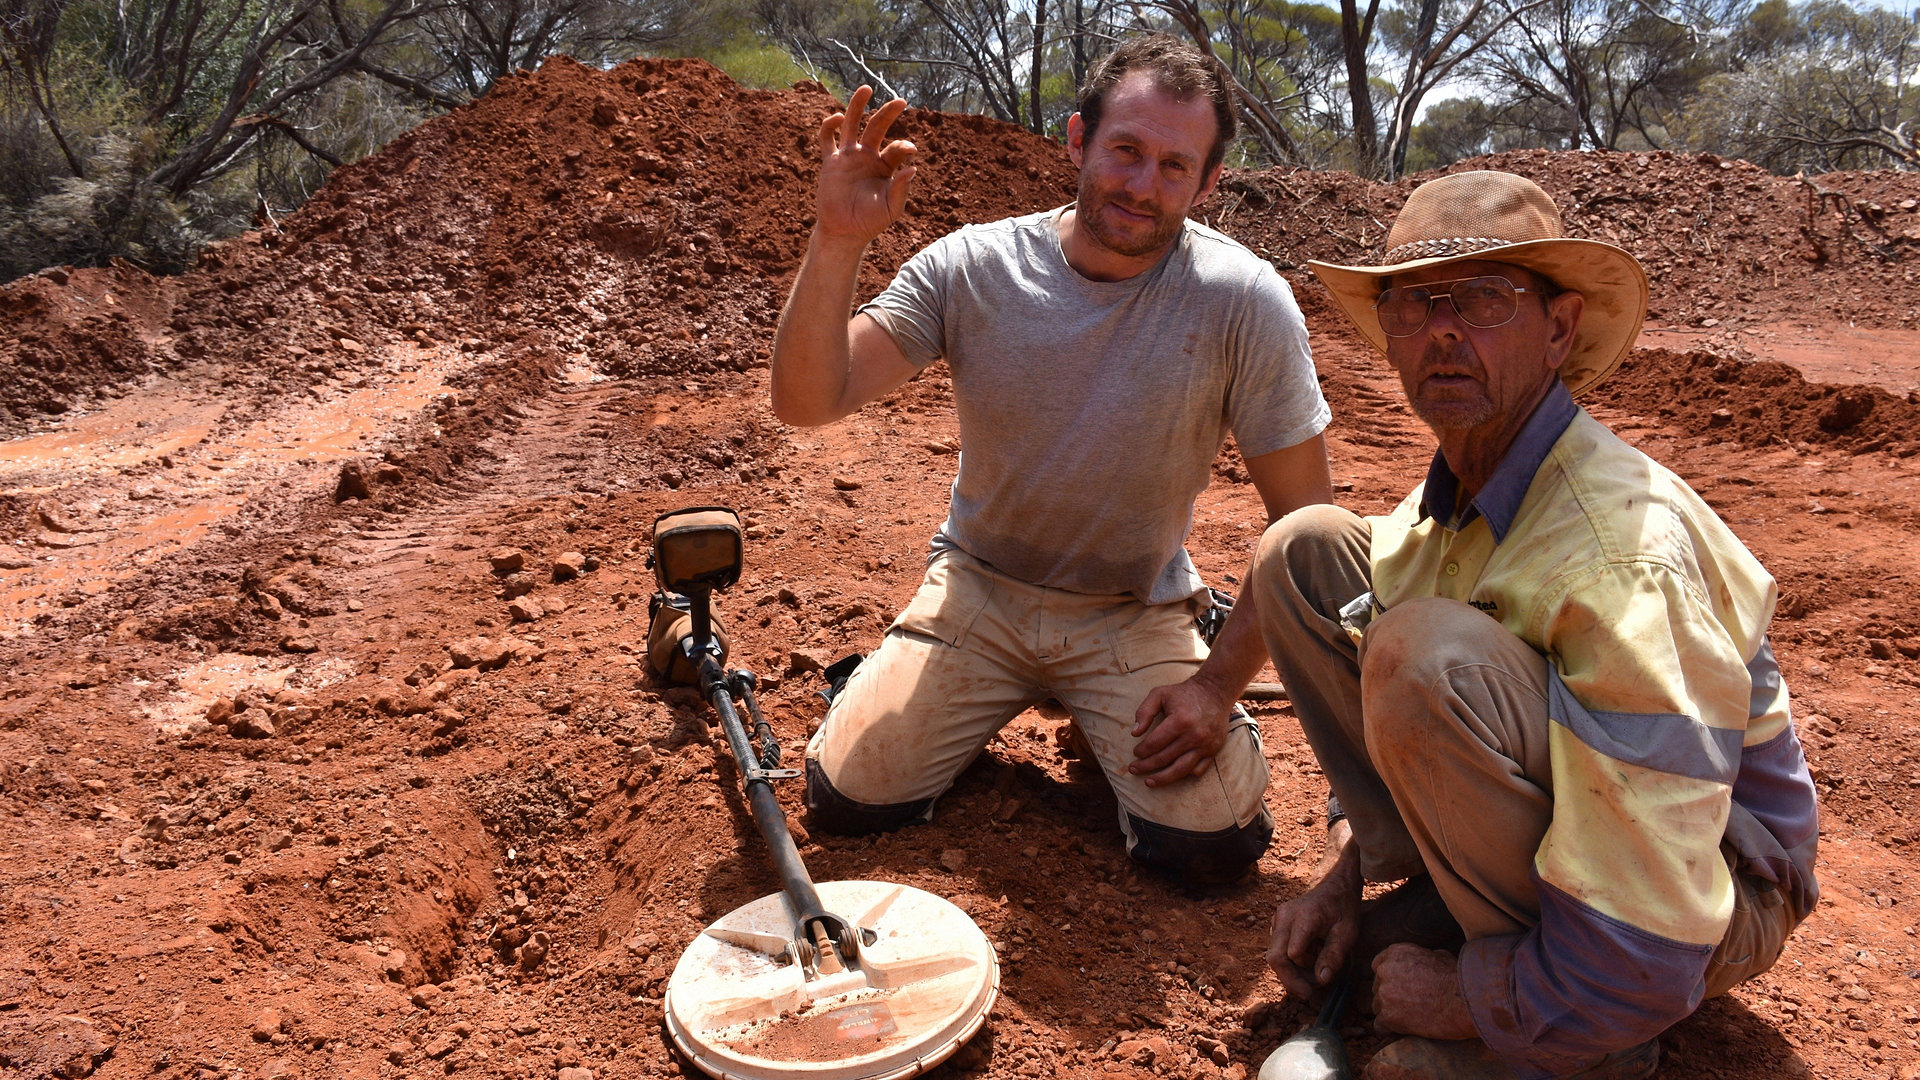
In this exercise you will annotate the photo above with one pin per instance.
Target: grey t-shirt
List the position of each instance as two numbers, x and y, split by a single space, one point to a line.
1090 411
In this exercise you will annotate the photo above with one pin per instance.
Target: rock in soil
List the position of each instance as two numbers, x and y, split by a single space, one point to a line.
252 724
479 652
37 1045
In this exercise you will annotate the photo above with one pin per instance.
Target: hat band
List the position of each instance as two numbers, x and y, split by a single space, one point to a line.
1441 248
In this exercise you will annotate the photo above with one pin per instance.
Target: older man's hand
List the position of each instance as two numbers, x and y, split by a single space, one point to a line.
1416 991
1314 932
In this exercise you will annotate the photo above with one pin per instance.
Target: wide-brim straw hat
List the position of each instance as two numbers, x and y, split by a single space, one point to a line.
1501 217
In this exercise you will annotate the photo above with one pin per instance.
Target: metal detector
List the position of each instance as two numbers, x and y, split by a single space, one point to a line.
844 980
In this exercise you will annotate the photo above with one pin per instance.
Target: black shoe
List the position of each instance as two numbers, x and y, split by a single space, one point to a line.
837 674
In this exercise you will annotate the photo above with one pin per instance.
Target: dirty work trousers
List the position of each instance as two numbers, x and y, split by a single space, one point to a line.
972 650
1438 755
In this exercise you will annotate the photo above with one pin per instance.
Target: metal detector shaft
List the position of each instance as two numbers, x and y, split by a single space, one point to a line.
794 879
809 912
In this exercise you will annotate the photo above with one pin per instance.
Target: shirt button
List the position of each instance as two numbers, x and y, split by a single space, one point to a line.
1453 569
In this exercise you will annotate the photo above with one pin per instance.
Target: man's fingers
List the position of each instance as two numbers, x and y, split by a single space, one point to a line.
1280 949
1181 768
875 133
897 153
856 110
1292 978
1149 710
897 193
1333 954
830 133
1303 940
1160 747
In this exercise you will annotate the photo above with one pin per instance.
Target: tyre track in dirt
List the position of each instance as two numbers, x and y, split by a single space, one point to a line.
620 812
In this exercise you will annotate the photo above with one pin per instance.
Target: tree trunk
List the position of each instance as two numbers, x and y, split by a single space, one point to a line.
28 37
1079 44
1038 122
1188 14
1355 33
43 104
1409 99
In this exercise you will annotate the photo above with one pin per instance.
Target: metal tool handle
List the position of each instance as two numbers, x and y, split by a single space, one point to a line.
1336 1003
813 922
741 683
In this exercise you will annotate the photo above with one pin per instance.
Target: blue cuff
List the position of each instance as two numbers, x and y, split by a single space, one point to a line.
1577 986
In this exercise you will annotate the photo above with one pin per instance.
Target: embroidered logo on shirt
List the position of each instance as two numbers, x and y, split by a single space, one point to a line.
1487 606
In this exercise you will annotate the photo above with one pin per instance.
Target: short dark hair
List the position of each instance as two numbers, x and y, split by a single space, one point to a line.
1178 69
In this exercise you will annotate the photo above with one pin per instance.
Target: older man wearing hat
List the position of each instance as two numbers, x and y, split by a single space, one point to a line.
1541 689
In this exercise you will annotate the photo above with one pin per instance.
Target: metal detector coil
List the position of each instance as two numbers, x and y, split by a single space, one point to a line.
744 1004
847 980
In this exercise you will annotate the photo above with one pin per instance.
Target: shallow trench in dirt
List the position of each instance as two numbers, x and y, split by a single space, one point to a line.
478 835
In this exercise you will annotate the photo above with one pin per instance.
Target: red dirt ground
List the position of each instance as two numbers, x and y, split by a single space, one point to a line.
279 480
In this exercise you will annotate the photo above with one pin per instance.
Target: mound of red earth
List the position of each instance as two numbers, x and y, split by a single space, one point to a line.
644 219
437 818
1719 239
641 217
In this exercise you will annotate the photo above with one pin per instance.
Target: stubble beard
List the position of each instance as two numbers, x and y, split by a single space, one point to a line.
1444 415
1453 412
1166 227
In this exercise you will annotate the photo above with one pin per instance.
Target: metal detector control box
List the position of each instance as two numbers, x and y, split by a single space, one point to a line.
697 548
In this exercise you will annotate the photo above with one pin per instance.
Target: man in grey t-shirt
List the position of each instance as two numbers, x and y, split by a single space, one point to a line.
1100 353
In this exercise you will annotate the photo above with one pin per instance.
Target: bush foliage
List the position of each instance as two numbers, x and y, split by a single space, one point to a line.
140 129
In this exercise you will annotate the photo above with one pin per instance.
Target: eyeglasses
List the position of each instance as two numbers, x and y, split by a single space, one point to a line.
1484 302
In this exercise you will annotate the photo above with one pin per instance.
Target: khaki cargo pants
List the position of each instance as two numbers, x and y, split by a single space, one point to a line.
971 651
1438 755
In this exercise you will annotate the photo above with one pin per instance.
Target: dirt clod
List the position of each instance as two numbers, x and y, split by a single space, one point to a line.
353 483
36 1046
252 724
479 652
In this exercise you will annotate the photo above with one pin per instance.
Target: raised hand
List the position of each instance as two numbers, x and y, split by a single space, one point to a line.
863 177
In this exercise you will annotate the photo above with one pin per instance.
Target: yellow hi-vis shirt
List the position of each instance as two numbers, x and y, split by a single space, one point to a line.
1670 728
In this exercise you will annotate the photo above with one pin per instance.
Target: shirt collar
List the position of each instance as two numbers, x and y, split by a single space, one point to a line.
1499 501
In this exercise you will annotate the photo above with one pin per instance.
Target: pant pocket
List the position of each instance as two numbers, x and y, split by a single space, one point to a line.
1142 635
951 596
1242 766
